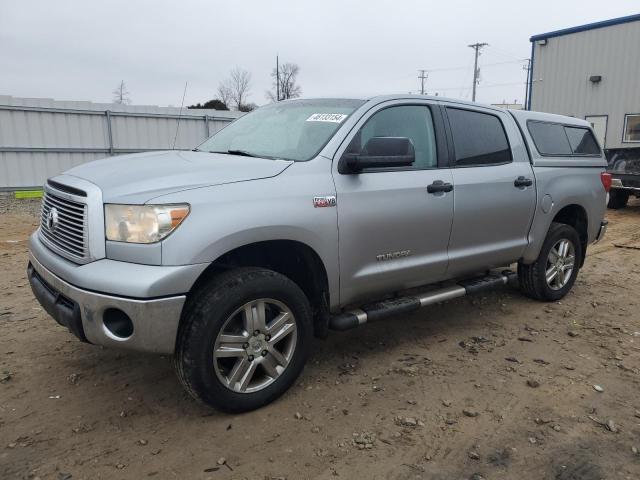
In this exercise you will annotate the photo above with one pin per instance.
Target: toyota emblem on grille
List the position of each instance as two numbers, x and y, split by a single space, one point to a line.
52 219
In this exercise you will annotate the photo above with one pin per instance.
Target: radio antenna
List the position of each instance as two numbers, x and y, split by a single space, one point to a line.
179 117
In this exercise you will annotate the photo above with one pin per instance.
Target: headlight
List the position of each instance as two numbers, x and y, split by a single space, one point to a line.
142 223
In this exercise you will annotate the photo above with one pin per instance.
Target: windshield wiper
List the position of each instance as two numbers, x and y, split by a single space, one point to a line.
242 153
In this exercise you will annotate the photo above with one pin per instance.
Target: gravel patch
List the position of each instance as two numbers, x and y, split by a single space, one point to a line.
12 205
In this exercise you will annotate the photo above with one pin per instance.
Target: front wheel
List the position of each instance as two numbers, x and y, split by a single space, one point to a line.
244 339
554 272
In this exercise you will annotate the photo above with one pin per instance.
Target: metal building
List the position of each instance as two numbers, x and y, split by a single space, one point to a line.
40 137
591 72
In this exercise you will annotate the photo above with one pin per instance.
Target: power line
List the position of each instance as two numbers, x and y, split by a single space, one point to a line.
476 73
486 85
500 84
448 69
469 69
504 52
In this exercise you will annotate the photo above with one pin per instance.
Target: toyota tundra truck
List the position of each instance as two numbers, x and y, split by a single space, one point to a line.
306 216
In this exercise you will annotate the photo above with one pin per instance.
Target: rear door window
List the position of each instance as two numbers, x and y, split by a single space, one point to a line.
479 138
562 140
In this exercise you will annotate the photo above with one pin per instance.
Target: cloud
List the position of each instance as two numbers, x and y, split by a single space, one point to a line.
79 50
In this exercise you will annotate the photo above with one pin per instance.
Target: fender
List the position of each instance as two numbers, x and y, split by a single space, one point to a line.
226 217
581 187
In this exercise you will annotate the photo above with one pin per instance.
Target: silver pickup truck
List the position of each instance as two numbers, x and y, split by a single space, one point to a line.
310 215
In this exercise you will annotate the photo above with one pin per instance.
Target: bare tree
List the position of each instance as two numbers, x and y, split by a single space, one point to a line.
121 94
236 88
288 87
224 93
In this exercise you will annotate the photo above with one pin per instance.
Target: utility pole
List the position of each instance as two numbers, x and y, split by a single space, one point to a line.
277 79
527 67
422 77
476 72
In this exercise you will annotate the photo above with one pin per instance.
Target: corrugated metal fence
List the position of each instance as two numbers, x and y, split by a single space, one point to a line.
40 138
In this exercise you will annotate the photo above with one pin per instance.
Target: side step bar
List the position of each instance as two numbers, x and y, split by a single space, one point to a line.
394 306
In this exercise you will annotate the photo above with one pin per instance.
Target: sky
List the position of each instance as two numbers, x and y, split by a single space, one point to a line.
82 49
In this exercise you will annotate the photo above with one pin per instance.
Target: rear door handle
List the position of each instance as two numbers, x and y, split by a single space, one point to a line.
439 186
522 182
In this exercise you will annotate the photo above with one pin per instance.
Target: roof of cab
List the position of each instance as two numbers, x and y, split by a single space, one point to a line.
407 96
521 115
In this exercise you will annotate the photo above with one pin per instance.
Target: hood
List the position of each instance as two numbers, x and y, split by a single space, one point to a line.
140 177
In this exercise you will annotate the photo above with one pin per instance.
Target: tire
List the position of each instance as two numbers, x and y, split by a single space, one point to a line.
533 277
617 199
223 365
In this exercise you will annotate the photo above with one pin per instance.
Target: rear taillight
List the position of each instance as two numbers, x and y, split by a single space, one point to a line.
606 180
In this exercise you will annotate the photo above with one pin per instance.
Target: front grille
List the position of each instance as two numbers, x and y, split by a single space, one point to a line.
68 235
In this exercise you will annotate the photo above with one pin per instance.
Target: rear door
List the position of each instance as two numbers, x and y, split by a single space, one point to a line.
393 233
494 198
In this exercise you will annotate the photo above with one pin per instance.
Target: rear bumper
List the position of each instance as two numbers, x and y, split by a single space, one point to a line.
634 190
627 182
151 324
602 232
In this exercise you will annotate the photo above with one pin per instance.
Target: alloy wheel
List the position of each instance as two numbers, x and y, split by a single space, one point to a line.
560 264
255 345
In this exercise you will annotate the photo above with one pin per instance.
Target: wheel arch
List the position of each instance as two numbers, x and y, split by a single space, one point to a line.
576 216
291 258
571 213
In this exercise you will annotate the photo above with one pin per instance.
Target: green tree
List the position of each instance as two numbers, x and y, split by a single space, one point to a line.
215 104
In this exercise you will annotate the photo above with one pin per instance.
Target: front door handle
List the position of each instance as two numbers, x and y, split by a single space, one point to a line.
439 186
522 182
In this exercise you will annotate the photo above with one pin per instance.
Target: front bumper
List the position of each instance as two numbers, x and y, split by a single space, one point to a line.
89 313
154 323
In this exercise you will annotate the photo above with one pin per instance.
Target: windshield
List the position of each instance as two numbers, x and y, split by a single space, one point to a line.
295 130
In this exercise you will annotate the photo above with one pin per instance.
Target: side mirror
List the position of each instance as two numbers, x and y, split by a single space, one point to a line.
379 152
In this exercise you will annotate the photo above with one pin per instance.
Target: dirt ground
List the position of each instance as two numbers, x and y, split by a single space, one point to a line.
495 387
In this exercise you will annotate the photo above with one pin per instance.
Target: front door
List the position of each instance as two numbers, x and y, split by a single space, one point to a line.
495 192
393 233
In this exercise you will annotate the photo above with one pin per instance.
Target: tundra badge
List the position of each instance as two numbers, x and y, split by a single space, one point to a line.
393 255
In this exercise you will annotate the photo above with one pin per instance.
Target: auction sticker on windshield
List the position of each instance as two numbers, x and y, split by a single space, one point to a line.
327 117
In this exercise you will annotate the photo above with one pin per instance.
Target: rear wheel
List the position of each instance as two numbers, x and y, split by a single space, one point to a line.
555 270
617 199
244 339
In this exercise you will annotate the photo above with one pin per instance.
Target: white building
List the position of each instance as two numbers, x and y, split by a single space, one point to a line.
591 72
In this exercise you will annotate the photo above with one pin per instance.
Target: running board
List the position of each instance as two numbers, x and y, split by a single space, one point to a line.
387 308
